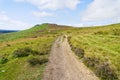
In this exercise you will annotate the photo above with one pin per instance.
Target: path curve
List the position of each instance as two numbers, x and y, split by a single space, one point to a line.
64 65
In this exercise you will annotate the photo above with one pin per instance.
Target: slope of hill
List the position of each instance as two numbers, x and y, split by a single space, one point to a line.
22 34
37 30
24 54
23 58
99 48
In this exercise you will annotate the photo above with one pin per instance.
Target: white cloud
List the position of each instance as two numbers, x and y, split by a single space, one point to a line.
76 25
3 17
9 23
42 14
53 4
102 10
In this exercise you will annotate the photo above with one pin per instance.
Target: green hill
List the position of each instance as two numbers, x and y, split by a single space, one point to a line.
24 54
20 51
37 30
22 34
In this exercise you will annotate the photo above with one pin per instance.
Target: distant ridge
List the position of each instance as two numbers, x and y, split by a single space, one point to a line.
7 31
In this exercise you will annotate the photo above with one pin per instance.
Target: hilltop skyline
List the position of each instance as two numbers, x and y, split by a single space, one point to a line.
23 14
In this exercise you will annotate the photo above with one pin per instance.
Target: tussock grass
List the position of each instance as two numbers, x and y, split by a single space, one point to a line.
22 52
3 60
38 60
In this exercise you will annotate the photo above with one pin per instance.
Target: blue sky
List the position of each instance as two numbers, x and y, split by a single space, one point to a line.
23 14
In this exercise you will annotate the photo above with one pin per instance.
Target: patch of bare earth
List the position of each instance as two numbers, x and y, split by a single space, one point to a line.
64 65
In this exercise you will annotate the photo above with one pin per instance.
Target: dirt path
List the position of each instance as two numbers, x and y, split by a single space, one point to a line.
64 65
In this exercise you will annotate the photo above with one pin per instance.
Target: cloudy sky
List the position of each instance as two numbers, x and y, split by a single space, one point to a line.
23 14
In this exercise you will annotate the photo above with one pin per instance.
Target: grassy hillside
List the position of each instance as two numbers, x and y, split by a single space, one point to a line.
99 48
37 30
24 54
15 66
22 34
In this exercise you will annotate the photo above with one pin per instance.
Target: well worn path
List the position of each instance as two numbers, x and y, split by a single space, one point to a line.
64 65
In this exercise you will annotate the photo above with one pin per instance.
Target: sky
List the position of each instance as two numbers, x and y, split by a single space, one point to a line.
23 14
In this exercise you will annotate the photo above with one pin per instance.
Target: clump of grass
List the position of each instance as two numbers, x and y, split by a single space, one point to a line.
102 69
69 37
69 32
64 36
91 62
3 60
116 32
34 36
39 60
8 45
106 72
34 52
33 61
22 52
26 43
101 32
79 52
39 53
